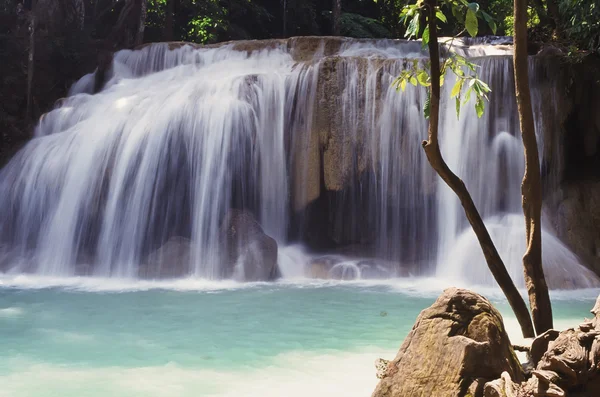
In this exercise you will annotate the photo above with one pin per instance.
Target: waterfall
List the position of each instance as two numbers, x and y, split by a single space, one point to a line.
181 134
171 142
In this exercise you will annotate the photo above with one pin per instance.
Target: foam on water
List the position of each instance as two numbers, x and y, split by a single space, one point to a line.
99 284
423 287
11 312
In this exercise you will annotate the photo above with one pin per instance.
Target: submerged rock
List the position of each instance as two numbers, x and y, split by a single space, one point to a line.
457 341
171 260
335 267
320 267
249 253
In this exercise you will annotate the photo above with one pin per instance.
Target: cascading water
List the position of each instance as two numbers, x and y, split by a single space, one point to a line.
173 140
178 136
492 167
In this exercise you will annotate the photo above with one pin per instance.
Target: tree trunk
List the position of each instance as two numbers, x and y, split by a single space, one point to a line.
31 62
555 16
168 32
129 29
531 187
284 18
143 10
337 14
432 150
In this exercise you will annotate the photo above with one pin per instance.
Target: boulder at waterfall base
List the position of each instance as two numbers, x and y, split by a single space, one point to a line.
249 254
171 260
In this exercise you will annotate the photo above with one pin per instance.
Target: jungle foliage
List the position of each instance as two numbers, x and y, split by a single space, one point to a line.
573 23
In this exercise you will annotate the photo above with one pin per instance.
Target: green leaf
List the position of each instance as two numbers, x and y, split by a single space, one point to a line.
471 23
413 80
479 107
471 66
458 14
427 107
476 87
422 77
490 21
468 95
413 27
440 15
457 106
473 7
426 36
403 85
457 88
484 86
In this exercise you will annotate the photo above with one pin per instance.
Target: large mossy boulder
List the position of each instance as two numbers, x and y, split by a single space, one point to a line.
249 254
458 342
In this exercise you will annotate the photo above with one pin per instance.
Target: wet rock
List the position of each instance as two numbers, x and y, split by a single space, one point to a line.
373 269
249 254
345 271
339 268
578 221
320 267
459 339
172 259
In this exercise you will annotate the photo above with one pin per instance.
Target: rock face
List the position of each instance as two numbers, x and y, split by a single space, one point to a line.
458 342
564 364
578 221
172 259
249 254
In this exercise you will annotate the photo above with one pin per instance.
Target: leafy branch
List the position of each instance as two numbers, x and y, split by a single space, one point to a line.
464 70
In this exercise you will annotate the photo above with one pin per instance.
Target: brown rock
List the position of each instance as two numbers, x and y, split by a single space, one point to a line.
249 254
457 340
172 259
539 346
567 357
503 387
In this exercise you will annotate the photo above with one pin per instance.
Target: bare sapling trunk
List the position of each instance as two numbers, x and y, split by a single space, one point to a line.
31 62
531 187
434 156
143 11
168 31
284 18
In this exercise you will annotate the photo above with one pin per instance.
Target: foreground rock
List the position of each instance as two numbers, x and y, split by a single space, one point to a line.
455 346
565 364
249 254
458 348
